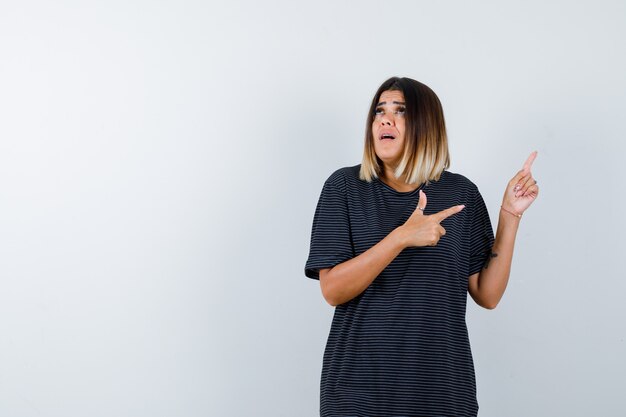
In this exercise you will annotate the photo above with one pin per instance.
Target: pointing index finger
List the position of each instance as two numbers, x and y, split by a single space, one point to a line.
529 161
444 214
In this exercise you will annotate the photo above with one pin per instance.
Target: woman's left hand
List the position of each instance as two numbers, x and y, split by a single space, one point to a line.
522 190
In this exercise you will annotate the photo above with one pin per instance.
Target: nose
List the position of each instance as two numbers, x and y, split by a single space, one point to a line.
387 120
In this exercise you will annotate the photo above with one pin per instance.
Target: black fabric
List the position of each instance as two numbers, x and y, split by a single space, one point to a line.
401 347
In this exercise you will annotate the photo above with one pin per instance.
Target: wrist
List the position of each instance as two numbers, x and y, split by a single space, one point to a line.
510 211
398 237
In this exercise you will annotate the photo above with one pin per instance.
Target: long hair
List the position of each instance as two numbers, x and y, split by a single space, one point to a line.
425 154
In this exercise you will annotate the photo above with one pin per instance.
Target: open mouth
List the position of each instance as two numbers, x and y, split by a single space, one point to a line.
387 136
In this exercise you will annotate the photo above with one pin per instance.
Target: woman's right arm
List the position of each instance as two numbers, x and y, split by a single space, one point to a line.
346 280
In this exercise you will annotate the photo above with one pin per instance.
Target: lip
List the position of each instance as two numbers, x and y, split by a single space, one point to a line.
387 132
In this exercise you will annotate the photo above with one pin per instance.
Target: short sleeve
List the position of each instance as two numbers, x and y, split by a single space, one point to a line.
331 241
481 234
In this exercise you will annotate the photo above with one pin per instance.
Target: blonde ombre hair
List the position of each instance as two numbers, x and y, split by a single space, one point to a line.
425 154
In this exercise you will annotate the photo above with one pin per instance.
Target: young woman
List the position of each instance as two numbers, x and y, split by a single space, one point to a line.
397 243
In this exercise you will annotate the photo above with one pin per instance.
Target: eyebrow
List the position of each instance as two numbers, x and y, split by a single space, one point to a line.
382 103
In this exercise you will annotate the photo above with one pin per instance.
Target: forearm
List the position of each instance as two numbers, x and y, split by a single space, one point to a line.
350 278
494 276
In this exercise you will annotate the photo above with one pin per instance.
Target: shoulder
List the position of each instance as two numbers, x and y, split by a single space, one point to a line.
343 176
458 181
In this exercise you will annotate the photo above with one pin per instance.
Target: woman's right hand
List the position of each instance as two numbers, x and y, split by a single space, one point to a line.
424 230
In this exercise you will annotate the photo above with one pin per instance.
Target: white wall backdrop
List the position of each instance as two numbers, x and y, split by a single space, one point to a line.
160 163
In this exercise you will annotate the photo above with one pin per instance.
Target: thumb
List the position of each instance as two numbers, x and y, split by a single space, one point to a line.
520 174
421 203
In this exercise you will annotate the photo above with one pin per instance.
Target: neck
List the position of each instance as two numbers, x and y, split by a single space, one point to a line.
398 184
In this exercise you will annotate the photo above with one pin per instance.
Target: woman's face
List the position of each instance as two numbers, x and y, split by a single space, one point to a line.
388 127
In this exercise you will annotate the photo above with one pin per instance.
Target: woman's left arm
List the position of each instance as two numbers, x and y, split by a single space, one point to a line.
487 286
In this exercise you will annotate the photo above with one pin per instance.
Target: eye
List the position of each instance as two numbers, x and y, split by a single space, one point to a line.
379 110
400 110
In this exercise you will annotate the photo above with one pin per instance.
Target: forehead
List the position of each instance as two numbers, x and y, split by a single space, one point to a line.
389 96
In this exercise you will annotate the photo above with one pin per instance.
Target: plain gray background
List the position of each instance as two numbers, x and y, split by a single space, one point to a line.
160 164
